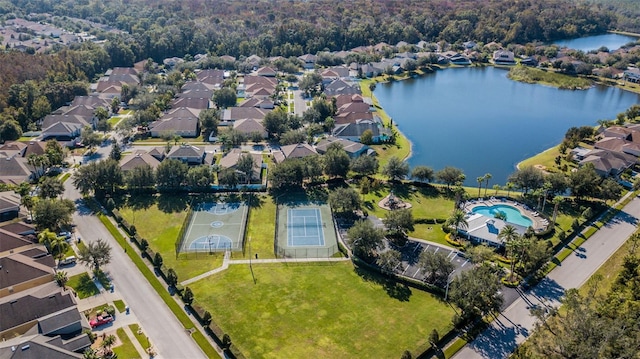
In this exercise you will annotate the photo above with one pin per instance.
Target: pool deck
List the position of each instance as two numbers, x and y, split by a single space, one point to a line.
540 223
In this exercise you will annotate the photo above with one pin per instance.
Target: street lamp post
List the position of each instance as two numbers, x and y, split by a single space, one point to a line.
449 280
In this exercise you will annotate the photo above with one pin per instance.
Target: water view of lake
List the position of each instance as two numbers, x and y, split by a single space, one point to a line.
586 44
478 120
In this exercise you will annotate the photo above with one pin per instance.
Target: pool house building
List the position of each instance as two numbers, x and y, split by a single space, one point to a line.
484 230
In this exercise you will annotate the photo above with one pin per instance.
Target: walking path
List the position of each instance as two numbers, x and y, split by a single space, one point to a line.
515 324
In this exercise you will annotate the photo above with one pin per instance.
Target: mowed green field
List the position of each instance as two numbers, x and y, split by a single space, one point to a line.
319 310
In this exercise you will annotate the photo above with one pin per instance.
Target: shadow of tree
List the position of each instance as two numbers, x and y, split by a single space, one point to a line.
395 290
141 202
254 200
171 203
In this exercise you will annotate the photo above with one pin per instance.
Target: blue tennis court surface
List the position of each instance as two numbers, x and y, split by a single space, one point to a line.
304 227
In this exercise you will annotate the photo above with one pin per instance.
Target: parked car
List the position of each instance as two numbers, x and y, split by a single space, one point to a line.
100 320
66 235
67 261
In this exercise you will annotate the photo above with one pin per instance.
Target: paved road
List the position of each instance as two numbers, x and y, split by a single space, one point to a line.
515 323
164 330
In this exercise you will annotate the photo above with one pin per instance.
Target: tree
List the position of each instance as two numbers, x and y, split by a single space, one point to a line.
56 246
436 267
245 166
510 237
399 222
534 255
107 343
406 355
434 338
365 239
476 292
344 200
116 152
209 120
527 178
289 173
584 182
206 318
41 108
364 165
171 174
40 163
480 253
276 122
95 254
199 177
389 260
457 220
450 176
54 152
336 162
187 296
101 178
367 137
228 178
53 214
395 169
61 278
486 177
172 277
10 130
423 173
292 137
310 83
610 190
157 260
140 177
50 187
479 180
89 138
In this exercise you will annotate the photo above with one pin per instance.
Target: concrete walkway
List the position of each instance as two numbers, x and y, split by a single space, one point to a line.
135 342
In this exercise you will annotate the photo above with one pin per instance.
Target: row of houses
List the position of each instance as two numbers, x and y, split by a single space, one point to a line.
14 161
617 149
38 318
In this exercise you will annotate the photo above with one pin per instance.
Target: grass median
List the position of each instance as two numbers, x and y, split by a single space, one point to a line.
159 287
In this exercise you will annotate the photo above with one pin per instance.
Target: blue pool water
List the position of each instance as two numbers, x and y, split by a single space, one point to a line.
513 214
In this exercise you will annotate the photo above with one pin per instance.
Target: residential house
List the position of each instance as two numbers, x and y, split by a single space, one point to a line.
299 150
9 205
138 159
334 73
267 104
608 163
485 230
250 126
232 114
198 103
12 242
14 169
158 153
340 87
632 74
181 121
188 154
231 158
353 131
26 269
196 89
36 346
308 61
212 77
266 72
63 132
503 57
353 149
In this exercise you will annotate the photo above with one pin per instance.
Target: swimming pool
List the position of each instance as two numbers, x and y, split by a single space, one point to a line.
513 214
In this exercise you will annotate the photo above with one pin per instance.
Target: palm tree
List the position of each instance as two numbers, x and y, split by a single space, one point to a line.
61 278
457 220
487 177
556 202
509 235
497 187
56 246
90 354
107 343
480 180
509 186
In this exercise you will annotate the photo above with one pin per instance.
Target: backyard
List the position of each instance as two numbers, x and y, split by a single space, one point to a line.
320 310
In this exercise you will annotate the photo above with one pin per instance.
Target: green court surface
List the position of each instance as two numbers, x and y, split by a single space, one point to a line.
305 230
215 227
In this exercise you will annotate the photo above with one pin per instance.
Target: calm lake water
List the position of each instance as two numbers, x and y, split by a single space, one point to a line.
478 120
586 44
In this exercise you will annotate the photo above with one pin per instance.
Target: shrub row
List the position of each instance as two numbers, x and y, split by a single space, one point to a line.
216 333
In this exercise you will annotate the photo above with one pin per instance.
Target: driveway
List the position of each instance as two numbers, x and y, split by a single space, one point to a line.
514 325
163 329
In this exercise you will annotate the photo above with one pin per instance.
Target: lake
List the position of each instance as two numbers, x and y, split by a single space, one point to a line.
586 44
478 120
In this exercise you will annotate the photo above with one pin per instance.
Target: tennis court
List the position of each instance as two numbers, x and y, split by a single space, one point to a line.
305 230
215 227
304 227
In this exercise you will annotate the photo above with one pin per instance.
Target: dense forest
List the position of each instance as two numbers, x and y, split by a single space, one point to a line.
161 29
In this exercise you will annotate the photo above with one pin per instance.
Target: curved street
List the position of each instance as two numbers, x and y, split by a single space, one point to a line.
514 325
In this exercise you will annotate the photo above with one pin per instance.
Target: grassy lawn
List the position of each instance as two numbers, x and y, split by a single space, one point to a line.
140 336
83 285
319 310
120 306
126 349
261 227
547 159
160 224
113 121
550 78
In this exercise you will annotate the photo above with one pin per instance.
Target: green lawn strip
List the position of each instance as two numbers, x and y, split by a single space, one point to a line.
119 304
126 349
113 121
160 289
307 310
83 285
261 227
141 337
161 229
70 252
80 246
454 347
548 77
63 177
